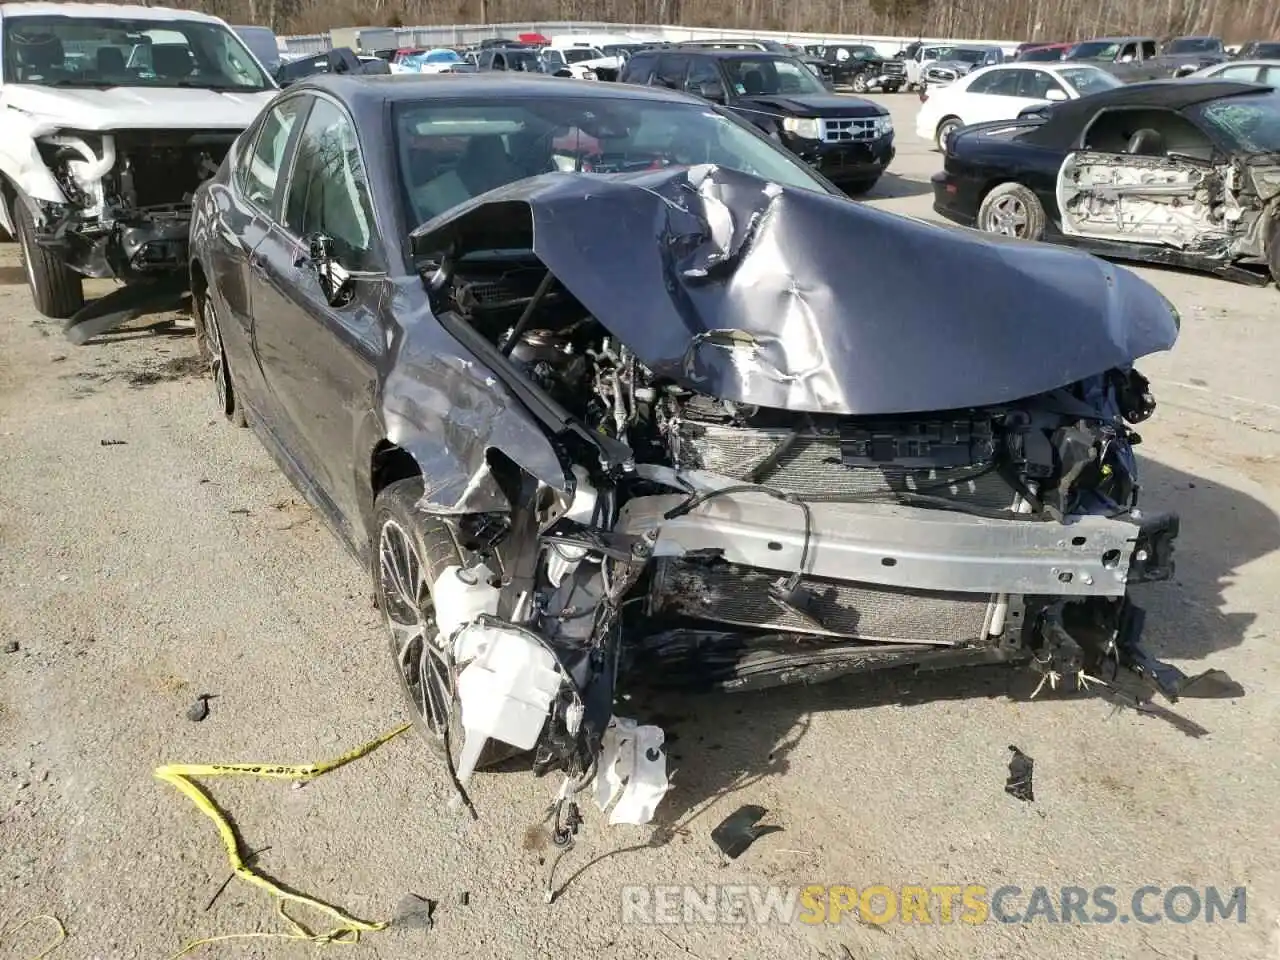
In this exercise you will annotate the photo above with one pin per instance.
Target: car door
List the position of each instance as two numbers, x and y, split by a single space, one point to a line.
704 70
243 219
1035 87
1141 176
318 352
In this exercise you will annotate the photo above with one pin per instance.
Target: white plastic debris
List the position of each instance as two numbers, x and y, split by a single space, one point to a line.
505 692
632 771
460 596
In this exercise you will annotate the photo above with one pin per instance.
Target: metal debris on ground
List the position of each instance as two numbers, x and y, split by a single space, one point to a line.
464 898
348 928
200 709
1021 769
113 443
11 646
736 832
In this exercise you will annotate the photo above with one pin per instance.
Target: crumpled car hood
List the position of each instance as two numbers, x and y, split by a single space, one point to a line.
136 108
804 301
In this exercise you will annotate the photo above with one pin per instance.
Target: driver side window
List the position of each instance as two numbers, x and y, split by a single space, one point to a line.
701 71
1036 84
259 168
328 190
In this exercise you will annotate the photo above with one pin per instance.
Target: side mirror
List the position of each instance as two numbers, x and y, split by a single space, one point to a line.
333 277
711 90
1055 95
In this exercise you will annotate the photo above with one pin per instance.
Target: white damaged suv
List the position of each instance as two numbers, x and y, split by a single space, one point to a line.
111 117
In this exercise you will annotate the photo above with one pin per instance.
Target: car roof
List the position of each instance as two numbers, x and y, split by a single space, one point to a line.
361 90
726 53
102 11
1173 94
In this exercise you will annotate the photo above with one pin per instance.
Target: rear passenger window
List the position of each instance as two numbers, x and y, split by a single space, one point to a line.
637 68
701 71
258 175
670 72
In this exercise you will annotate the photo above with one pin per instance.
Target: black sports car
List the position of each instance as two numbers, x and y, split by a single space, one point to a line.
659 426
1184 173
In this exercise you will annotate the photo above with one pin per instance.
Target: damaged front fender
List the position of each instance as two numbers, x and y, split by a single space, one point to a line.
455 418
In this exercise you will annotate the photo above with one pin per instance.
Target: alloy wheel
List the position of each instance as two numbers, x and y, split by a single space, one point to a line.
424 668
1009 217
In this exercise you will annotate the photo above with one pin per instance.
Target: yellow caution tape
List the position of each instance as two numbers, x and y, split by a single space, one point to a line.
62 933
349 928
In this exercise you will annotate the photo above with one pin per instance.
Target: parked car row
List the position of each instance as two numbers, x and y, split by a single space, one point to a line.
1180 172
590 434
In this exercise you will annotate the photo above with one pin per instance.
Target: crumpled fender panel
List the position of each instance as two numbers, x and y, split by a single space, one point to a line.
21 163
448 411
804 301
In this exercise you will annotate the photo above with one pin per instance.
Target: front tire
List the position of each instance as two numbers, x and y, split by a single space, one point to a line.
859 83
56 289
946 129
410 551
1012 210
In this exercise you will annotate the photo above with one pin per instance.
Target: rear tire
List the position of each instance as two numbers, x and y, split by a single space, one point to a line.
1012 210
946 129
209 343
56 289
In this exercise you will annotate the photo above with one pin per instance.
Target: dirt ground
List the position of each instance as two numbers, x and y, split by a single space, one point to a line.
136 576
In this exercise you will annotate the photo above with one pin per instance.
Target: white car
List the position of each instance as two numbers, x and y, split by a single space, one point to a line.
1250 71
1002 92
110 117
582 63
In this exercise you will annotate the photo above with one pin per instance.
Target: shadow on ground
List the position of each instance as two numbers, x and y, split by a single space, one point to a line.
894 186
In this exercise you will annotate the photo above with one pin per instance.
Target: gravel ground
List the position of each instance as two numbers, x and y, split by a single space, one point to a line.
137 576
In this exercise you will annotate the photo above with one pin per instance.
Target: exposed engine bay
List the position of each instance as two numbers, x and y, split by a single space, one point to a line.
735 514
128 197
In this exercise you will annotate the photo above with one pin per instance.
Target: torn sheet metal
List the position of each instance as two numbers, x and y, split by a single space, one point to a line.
803 301
632 771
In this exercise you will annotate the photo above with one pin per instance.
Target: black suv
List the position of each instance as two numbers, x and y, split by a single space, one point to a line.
846 139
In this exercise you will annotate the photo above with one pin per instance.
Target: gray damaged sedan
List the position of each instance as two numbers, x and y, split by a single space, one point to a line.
609 391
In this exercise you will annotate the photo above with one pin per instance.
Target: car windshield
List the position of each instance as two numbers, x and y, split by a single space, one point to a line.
58 51
1251 120
1094 50
1267 51
1194 45
967 54
451 151
769 76
578 54
1087 80
1043 54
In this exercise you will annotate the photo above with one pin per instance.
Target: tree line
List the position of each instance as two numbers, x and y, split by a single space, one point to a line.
1047 20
